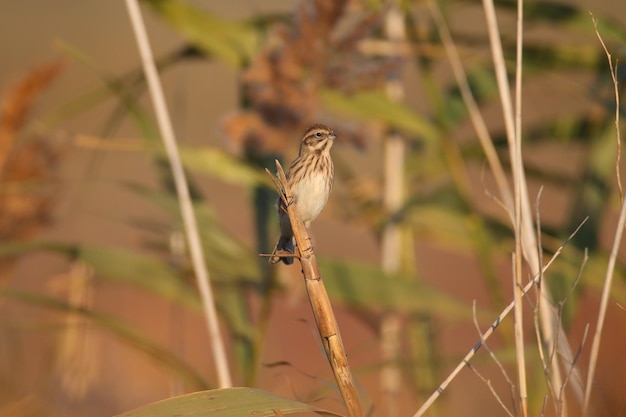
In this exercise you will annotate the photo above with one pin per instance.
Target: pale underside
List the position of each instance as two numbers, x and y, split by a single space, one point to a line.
311 195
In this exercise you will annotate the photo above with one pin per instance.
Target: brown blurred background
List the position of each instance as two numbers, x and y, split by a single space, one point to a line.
53 363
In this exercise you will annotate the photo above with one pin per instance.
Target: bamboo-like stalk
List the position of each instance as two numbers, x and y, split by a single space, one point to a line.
393 189
182 190
619 229
320 303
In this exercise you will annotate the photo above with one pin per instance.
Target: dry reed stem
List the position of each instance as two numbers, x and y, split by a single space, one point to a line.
513 131
465 361
518 176
550 329
608 279
545 362
188 216
320 302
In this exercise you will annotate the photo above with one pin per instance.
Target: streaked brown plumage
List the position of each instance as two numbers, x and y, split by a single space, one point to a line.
310 179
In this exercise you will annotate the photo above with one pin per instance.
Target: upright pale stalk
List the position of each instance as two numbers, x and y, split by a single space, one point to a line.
513 131
393 187
518 174
182 189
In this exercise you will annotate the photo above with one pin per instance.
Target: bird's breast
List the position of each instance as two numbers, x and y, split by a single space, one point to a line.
311 195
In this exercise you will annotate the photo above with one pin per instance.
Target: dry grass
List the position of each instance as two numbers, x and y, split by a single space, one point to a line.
547 317
27 165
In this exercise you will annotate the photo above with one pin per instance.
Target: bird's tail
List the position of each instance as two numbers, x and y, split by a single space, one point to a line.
283 247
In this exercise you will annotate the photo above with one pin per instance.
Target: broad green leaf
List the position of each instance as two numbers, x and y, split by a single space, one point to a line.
233 43
440 224
226 256
368 287
125 266
119 88
227 402
220 165
230 263
139 270
22 248
118 328
376 106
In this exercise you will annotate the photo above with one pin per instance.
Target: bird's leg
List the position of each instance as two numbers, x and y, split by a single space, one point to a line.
307 226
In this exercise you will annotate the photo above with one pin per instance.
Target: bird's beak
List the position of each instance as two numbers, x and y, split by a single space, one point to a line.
333 136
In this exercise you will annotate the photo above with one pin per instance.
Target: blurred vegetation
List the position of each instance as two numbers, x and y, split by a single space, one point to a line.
320 62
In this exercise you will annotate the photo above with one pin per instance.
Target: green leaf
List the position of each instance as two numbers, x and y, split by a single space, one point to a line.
118 328
120 265
220 165
226 256
233 43
438 223
231 264
142 271
228 402
376 106
368 287
116 85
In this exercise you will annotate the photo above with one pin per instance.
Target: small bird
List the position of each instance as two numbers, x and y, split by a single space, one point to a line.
310 178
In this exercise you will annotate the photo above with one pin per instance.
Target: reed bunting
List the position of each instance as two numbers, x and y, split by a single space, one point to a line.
310 178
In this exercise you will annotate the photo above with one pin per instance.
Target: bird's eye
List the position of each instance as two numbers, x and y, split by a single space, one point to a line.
318 134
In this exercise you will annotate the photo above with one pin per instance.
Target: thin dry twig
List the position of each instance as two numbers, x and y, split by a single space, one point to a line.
561 404
546 365
320 303
608 279
491 388
613 70
490 331
573 365
182 190
495 359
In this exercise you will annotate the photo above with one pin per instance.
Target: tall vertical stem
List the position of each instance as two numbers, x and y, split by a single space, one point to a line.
518 173
393 165
182 189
